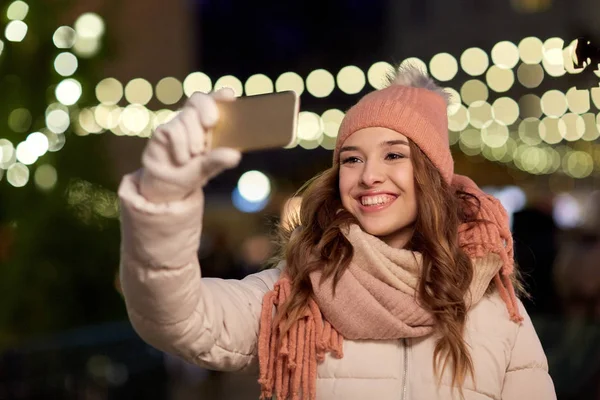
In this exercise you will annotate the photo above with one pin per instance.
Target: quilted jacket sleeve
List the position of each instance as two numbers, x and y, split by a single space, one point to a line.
210 322
527 374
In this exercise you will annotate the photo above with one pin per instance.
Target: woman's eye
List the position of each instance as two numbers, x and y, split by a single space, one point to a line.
350 160
394 156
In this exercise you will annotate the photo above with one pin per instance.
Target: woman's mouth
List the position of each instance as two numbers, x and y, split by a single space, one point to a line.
376 202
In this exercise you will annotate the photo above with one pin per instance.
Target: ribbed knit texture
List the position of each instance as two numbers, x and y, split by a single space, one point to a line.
375 299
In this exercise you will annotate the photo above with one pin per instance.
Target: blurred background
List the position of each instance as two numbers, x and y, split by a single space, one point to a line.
84 82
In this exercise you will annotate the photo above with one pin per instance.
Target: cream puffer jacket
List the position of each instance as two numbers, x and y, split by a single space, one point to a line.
214 323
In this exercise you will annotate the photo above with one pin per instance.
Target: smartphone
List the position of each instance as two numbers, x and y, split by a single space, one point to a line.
260 122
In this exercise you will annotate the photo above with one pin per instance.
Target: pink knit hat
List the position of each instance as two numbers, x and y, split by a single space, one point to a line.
420 114
417 113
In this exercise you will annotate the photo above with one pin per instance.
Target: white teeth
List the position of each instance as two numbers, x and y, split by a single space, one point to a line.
375 200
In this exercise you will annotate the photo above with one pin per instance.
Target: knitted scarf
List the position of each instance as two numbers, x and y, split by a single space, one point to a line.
374 299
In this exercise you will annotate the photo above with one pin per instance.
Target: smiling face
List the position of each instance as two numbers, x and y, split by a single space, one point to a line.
377 184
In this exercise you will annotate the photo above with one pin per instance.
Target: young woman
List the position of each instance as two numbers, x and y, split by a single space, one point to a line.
395 283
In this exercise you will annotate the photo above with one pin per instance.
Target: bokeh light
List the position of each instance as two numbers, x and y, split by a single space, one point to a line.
505 110
578 100
474 61
290 81
45 177
66 64
310 126
109 91
554 103
169 90
530 75
17 10
197 82
64 37
531 50
443 67
378 73
15 31
505 55
17 175
19 120
258 84
254 186
320 83
138 91
332 120
231 82
499 79
89 26
68 91
473 90
351 79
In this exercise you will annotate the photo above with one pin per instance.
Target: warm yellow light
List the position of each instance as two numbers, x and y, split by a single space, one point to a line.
290 81
89 26
107 116
231 82
17 10
331 122
58 120
578 100
505 110
578 164
87 123
443 67
499 79
550 131
474 61
25 153
86 47
45 177
480 114
378 73
592 131
169 90
197 82
15 31
530 75
351 79
320 83
494 135
470 141
473 90
109 91
458 117
68 91
64 37
529 131
505 55
17 175
554 103
259 84
138 91
571 127
66 64
531 50
310 126
134 119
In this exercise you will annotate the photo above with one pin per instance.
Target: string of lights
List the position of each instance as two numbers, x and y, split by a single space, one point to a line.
539 134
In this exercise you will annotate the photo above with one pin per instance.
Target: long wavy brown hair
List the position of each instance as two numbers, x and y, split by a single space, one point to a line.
314 241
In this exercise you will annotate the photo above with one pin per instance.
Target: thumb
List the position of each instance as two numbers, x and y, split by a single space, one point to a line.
218 160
